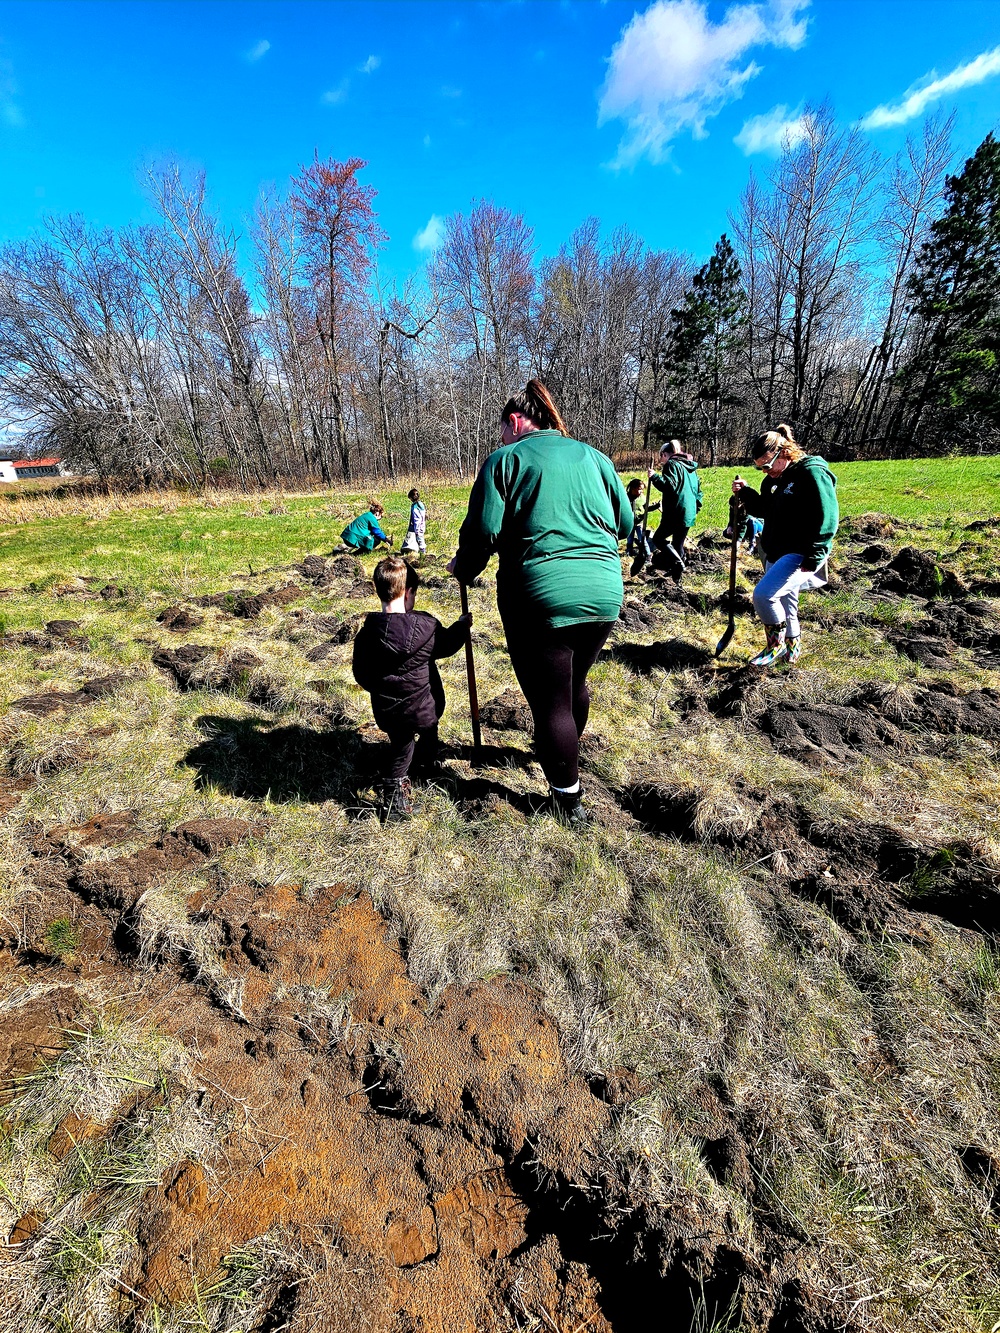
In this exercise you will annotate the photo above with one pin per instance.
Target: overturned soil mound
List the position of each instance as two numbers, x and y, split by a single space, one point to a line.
916 573
55 701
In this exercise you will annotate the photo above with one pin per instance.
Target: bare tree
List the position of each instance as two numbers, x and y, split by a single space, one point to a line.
801 251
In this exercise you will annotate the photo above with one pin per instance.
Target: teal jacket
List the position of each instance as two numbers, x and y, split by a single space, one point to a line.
553 510
799 508
681 487
363 533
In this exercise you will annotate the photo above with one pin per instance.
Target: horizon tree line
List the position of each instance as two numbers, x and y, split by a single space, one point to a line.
855 296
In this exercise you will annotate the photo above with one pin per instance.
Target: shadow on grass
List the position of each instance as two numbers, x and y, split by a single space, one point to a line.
247 757
476 796
671 655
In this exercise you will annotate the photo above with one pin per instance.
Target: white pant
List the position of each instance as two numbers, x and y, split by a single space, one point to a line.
776 596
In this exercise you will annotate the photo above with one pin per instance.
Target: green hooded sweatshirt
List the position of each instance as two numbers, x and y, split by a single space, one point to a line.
799 508
553 509
681 487
363 532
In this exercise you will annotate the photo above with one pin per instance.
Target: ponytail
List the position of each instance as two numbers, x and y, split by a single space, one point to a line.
535 402
782 439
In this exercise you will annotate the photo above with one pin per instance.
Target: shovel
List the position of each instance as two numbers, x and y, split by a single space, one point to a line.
735 514
470 671
640 558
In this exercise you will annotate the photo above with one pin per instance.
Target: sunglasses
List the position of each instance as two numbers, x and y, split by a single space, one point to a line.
765 460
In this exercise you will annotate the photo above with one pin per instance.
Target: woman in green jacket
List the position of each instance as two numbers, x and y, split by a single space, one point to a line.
364 533
798 503
553 509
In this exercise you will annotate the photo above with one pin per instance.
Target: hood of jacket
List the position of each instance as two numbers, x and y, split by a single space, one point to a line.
814 463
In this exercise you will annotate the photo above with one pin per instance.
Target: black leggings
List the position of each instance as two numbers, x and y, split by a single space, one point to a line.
551 667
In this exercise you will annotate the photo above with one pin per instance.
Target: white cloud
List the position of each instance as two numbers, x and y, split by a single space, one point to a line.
672 67
258 51
11 114
427 141
333 96
449 90
930 89
773 131
370 65
429 238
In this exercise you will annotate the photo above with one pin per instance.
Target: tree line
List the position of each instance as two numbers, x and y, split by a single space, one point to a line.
855 296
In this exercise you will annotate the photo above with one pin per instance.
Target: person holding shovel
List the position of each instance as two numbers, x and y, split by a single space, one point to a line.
395 655
680 485
553 509
798 503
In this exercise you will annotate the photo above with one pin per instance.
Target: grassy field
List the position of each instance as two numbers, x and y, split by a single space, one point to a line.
783 947
168 544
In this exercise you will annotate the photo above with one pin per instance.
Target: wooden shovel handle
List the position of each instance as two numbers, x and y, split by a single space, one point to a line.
470 671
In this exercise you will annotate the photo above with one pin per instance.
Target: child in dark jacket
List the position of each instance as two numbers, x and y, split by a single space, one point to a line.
394 660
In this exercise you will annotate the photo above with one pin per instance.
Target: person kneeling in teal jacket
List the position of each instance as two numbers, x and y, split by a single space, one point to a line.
364 532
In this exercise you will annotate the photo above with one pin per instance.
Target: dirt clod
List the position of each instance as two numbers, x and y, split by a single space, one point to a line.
509 711
635 616
52 701
117 884
916 573
823 733
248 605
181 662
179 620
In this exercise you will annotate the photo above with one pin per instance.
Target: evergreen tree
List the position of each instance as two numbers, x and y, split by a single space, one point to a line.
953 375
708 334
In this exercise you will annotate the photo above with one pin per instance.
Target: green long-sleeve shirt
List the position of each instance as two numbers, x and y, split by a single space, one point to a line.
553 510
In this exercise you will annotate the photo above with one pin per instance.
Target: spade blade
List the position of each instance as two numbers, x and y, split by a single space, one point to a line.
723 643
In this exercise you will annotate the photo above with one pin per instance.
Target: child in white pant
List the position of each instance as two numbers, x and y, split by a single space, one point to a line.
415 539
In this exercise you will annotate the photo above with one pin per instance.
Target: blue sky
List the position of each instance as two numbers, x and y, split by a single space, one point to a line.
647 115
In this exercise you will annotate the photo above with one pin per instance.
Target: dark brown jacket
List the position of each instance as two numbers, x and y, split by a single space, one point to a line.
394 658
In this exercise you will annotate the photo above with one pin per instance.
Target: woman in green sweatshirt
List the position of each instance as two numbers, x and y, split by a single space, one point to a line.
798 503
553 509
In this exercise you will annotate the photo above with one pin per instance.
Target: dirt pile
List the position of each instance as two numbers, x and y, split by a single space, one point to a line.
868 876
57 634
54 701
914 573
509 711
179 619
248 605
198 666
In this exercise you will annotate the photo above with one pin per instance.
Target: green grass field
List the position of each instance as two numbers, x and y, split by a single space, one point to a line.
161 546
722 935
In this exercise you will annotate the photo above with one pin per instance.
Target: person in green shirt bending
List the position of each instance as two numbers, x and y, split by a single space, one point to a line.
364 533
553 509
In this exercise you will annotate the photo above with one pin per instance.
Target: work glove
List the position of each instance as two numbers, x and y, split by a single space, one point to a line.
809 565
